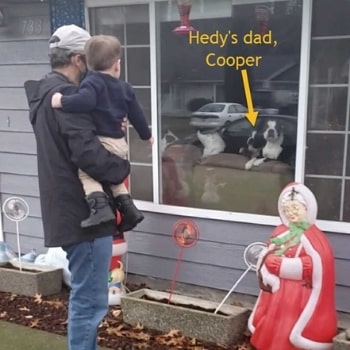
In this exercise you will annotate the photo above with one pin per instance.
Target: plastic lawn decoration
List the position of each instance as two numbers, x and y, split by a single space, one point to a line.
185 234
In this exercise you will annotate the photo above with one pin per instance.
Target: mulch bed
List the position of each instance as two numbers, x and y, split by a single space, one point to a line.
50 314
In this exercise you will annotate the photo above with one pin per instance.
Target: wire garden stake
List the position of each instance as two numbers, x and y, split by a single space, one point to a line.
16 209
251 256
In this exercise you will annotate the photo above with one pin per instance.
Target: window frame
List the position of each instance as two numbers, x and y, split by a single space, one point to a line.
299 175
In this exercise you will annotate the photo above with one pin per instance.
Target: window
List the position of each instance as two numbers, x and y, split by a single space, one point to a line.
263 38
131 25
327 168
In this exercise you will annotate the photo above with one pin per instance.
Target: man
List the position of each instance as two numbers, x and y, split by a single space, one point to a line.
66 142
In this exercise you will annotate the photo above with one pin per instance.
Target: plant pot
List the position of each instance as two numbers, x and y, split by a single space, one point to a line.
33 279
193 317
342 341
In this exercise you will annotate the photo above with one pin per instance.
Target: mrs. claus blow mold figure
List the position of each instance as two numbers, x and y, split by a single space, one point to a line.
296 307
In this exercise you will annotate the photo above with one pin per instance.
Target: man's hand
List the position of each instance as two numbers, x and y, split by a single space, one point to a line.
151 140
56 100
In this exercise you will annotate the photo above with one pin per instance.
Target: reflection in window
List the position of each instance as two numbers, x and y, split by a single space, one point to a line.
212 107
202 102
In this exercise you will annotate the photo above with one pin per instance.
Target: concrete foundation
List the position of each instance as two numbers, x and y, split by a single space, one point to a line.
221 329
342 341
36 280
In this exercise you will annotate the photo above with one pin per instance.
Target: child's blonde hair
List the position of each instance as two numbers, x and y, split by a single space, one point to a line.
102 51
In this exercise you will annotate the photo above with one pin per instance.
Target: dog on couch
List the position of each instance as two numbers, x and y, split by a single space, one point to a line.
212 142
253 147
268 144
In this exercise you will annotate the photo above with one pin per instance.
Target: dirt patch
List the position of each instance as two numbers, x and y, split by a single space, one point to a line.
186 306
50 314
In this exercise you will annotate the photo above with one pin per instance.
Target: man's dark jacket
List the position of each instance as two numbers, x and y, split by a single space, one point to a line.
66 142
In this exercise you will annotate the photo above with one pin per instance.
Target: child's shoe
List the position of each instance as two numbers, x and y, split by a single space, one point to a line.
131 216
100 210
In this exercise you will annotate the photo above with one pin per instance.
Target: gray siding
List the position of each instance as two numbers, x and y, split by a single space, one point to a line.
217 259
23 56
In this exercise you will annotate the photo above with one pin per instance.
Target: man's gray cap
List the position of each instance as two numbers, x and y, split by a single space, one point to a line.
70 37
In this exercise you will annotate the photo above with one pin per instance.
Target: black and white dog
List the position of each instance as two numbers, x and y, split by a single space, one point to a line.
268 144
253 147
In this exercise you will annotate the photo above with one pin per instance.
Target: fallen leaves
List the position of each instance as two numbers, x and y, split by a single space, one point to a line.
116 313
38 298
34 323
50 314
172 338
56 304
23 309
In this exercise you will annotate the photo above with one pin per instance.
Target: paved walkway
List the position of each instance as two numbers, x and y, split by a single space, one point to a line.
15 337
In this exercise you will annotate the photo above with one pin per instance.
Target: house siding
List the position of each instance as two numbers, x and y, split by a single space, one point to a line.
215 261
23 56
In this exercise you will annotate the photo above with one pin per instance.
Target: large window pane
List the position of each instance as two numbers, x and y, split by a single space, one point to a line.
330 61
143 95
328 194
327 108
108 21
324 154
330 18
138 60
140 150
196 74
140 177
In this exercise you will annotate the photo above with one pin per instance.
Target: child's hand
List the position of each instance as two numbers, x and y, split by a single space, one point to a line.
151 140
56 100
124 124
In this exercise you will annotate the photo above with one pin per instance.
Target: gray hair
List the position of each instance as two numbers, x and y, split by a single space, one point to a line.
60 57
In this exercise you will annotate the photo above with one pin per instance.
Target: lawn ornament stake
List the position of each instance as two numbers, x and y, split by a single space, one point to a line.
184 8
250 255
16 209
296 305
185 234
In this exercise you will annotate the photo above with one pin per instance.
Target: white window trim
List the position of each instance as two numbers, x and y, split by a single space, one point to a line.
2 238
156 207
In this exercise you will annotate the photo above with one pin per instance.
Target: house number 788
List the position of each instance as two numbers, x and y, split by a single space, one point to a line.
32 26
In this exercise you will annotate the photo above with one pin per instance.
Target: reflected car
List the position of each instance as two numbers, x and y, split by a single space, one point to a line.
213 115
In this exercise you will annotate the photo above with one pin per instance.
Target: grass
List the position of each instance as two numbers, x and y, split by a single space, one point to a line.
15 337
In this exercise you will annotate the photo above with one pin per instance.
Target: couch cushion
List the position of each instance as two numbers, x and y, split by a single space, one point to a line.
237 161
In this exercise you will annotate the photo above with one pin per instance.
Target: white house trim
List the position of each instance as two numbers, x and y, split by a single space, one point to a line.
303 90
1 228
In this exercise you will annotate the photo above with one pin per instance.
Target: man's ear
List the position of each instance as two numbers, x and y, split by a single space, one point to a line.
75 60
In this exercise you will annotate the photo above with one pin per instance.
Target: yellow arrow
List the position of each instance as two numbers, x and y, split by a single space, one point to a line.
252 116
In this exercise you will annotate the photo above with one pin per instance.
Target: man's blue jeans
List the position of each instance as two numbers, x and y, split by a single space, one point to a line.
88 304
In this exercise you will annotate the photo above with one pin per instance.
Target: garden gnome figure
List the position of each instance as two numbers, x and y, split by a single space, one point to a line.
296 307
115 285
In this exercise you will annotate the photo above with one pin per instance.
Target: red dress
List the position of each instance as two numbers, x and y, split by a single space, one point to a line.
300 313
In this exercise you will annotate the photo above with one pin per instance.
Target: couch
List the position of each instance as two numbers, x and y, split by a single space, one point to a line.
220 181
